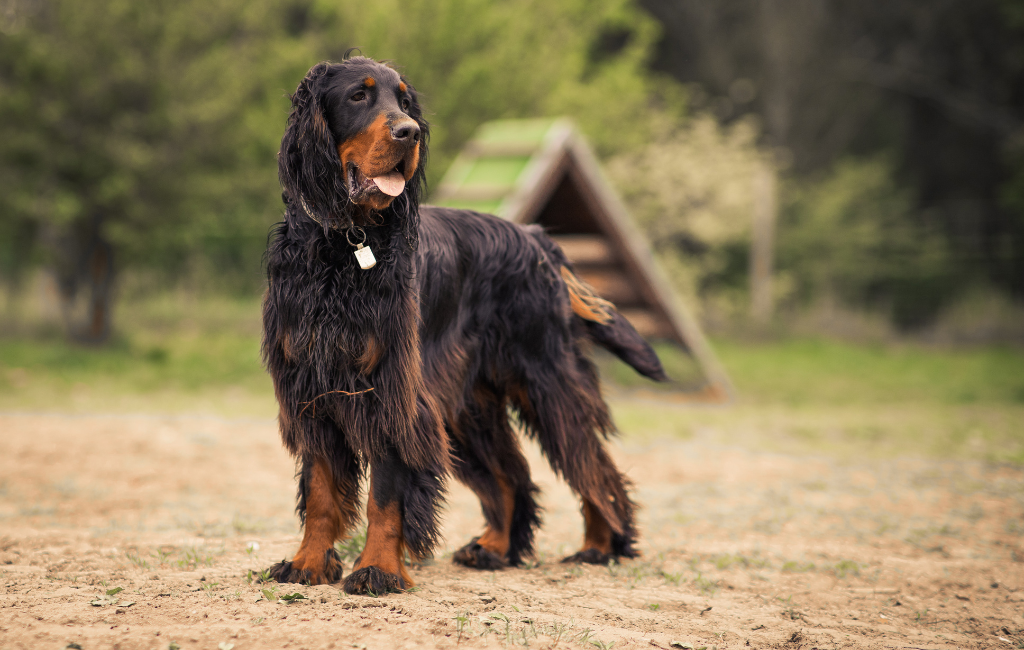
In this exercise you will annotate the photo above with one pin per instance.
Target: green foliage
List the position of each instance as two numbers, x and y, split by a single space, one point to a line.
854 235
152 123
692 192
155 125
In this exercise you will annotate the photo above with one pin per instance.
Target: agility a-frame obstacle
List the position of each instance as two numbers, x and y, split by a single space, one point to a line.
543 171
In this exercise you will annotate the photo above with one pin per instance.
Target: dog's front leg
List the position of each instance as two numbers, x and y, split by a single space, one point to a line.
328 508
381 567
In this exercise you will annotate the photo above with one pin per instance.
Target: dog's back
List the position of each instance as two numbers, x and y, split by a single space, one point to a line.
483 277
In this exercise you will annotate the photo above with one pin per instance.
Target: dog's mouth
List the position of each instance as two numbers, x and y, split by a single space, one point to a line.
373 189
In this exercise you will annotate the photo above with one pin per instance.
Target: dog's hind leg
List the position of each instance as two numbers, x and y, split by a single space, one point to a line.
489 461
566 414
328 506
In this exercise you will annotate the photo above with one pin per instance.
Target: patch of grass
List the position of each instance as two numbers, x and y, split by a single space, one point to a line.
208 588
793 566
177 352
705 586
351 548
820 396
191 558
729 560
136 560
168 352
820 371
843 568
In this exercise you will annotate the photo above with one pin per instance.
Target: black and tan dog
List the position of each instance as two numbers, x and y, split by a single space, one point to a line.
400 338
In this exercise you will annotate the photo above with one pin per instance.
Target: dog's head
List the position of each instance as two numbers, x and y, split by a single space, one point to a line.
356 141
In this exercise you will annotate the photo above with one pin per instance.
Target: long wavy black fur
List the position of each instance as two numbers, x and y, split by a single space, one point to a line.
472 318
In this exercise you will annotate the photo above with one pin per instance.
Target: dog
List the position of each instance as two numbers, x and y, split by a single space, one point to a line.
400 338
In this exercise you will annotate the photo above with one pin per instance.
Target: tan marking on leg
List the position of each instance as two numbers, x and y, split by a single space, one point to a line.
494 540
385 546
325 522
597 533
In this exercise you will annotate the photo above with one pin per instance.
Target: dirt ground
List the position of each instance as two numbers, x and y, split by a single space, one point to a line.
739 549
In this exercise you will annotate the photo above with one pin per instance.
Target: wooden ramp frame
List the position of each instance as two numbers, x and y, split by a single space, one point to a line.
543 171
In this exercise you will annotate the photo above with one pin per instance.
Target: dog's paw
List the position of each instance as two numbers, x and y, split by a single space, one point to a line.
331 573
474 556
373 581
589 556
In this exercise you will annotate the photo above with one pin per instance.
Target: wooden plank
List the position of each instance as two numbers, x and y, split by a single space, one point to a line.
611 283
649 324
501 149
586 249
762 244
478 192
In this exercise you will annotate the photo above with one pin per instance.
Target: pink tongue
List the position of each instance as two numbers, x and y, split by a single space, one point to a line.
391 184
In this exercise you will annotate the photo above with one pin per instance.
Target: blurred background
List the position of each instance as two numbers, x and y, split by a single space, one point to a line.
881 142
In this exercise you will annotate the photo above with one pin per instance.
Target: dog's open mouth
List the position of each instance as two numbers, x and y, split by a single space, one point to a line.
391 183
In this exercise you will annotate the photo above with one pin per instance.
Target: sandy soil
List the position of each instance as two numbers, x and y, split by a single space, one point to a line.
740 549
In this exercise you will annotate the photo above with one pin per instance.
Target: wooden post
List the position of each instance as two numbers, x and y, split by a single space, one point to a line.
762 244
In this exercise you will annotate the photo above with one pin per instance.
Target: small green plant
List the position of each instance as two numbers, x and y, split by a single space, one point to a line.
498 616
136 560
208 588
270 593
292 598
351 548
789 609
706 586
584 637
109 597
162 556
792 566
843 567
461 624
192 558
558 628
258 621
653 606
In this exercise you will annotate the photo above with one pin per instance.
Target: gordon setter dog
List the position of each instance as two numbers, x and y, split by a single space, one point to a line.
400 338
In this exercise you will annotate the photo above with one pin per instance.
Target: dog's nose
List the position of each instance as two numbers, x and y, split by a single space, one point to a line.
406 131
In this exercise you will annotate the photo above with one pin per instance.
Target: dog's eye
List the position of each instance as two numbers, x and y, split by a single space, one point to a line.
406 103
359 96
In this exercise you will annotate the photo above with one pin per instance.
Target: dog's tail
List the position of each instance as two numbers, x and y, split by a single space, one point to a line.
610 329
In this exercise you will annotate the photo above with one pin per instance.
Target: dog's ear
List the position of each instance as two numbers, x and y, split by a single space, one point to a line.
307 164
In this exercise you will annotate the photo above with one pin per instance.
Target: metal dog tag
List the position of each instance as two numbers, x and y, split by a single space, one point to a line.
365 257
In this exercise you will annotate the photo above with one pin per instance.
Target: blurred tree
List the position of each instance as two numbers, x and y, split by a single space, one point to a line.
692 191
938 86
147 133
478 60
136 128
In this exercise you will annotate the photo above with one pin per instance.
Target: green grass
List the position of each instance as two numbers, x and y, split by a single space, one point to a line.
836 398
805 372
168 353
176 353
